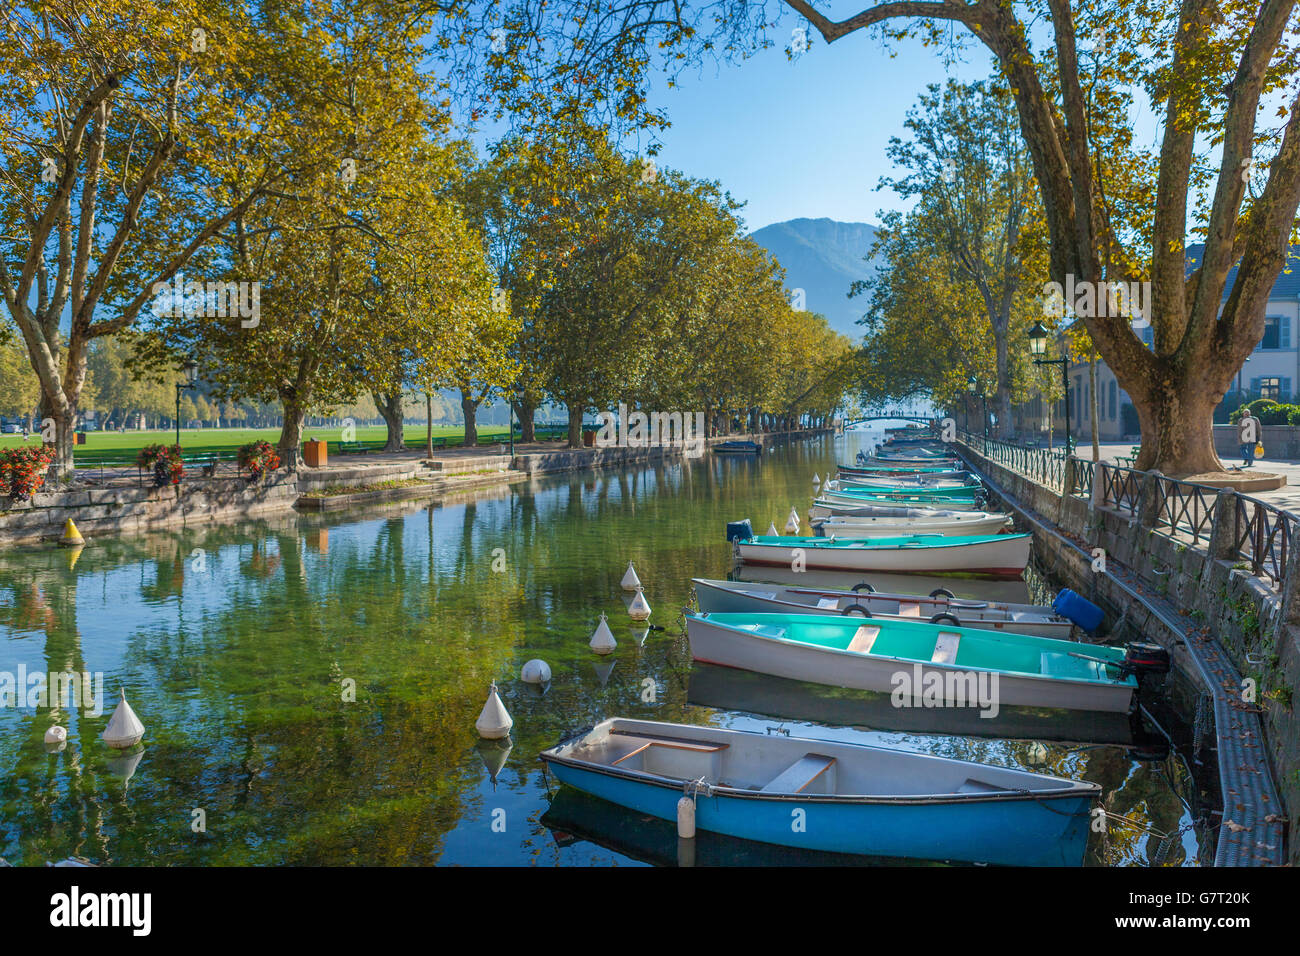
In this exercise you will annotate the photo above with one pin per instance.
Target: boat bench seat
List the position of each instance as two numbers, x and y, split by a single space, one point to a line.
945 648
863 639
909 609
800 775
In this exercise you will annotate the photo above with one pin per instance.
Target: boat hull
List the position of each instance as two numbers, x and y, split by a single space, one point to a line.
717 644
999 556
849 527
903 500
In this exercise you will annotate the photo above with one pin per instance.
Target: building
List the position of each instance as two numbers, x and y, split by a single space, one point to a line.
1272 371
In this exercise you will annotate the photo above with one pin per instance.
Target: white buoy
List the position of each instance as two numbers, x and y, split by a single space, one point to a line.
536 672
792 524
816 480
124 729
602 640
630 581
771 530
56 735
494 722
639 609
686 818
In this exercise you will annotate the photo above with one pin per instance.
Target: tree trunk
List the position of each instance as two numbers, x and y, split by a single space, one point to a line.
428 425
469 408
1177 429
390 407
290 444
526 410
575 426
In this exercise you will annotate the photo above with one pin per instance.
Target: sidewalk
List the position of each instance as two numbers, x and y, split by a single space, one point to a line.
1287 497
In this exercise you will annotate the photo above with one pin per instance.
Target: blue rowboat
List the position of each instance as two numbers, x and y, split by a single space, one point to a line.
831 796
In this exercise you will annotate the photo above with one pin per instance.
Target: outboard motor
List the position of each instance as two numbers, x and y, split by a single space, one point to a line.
1079 610
739 530
1145 659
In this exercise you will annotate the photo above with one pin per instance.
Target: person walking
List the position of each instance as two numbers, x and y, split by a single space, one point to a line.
1248 436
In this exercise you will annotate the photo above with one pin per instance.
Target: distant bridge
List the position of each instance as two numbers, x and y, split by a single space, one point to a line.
923 419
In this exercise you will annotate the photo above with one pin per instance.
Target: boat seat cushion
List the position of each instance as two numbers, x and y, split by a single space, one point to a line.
802 773
945 648
863 639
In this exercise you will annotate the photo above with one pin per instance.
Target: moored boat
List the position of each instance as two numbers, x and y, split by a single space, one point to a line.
961 523
849 798
956 501
997 555
749 597
957 666
738 448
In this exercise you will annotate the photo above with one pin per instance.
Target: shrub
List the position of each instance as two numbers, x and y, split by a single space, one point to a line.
165 463
22 470
258 457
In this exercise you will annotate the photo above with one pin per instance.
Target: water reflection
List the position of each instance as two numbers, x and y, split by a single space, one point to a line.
311 682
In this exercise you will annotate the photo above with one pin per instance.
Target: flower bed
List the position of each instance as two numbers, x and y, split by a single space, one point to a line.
22 470
258 457
165 463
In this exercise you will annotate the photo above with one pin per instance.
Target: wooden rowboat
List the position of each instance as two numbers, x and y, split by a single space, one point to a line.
847 797
996 555
748 597
958 666
917 499
962 523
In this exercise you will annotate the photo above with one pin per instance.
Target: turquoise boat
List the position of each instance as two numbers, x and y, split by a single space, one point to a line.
956 666
830 796
996 555
866 487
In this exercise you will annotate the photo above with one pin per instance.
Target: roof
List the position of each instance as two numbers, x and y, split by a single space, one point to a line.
1287 285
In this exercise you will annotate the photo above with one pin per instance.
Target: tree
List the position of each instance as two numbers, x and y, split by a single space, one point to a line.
977 208
129 137
1114 211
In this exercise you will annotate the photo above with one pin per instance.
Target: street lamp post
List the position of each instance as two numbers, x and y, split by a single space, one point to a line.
1038 348
972 386
191 368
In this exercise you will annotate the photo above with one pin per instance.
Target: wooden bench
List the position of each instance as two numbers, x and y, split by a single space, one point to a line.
863 639
800 775
945 648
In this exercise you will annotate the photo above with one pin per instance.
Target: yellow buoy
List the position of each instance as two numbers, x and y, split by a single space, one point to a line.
71 536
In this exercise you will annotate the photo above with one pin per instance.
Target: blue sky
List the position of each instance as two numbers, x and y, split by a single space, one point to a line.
805 138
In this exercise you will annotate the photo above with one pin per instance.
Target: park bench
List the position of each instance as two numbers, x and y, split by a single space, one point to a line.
437 443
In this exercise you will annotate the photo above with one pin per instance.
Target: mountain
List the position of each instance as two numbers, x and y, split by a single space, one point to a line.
824 258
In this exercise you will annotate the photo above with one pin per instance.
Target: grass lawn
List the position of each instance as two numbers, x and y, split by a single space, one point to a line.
122 447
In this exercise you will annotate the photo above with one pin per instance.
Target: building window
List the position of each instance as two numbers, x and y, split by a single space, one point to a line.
1278 389
1277 333
1114 391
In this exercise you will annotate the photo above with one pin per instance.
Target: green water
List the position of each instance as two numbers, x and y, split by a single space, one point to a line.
237 645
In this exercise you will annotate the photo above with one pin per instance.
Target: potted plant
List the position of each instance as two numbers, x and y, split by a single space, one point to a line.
258 457
165 463
22 470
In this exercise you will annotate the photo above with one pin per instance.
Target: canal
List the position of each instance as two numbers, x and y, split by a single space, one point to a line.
310 684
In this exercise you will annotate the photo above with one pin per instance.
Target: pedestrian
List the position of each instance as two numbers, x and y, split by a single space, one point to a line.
24 432
1248 436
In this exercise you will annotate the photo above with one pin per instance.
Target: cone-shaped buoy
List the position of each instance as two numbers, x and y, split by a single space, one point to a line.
640 607
792 524
816 480
771 530
56 735
493 723
630 581
124 729
602 640
71 536
536 672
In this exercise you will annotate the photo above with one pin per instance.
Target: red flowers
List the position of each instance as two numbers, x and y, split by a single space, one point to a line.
22 470
164 461
258 457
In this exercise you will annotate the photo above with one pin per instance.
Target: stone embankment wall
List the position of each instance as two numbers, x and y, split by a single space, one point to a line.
1162 586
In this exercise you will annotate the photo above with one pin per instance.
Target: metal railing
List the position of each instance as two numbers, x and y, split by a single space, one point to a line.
1262 535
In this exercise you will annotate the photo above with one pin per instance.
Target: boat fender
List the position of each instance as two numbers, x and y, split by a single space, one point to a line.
1081 611
942 592
686 818
864 586
1144 658
945 616
856 609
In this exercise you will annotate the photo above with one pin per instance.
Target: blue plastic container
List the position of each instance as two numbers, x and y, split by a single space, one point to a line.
1079 610
739 529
